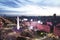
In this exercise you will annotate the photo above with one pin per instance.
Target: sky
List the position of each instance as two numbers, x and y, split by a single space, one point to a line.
30 7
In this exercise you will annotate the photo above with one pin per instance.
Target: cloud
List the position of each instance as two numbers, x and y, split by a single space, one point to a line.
41 10
30 7
18 3
34 10
8 3
47 2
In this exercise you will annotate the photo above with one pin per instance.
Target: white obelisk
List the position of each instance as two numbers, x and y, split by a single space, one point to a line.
18 23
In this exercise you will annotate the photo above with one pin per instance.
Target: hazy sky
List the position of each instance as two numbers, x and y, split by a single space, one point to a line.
30 7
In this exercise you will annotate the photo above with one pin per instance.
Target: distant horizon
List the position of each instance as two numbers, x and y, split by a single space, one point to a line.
25 15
